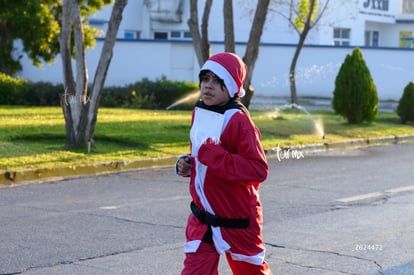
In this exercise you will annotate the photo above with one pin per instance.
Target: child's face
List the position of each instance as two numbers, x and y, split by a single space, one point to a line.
212 92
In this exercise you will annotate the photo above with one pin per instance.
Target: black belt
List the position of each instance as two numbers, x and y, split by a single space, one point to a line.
214 220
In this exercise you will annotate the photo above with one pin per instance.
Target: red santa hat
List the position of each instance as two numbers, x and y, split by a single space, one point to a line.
231 69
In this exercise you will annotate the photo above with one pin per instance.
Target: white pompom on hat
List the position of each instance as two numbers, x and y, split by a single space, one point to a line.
231 69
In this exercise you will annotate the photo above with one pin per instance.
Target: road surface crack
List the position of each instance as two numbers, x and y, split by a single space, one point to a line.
74 261
378 266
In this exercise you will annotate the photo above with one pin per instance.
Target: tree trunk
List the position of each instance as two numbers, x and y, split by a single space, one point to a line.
292 77
103 65
205 45
69 83
80 110
229 45
202 47
200 41
252 49
292 69
80 102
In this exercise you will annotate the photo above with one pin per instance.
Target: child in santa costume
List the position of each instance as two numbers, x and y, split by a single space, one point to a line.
226 166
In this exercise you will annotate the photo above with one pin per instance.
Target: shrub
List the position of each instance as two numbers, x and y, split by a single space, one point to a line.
12 89
45 94
16 91
113 97
355 95
405 108
161 93
145 94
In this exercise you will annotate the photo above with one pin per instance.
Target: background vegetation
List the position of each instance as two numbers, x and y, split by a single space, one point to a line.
405 108
34 137
145 94
134 124
355 94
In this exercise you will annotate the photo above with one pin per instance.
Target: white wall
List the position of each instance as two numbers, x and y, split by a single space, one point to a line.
316 70
318 67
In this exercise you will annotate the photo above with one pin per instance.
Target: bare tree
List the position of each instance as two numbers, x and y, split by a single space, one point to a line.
80 109
253 44
306 19
200 41
252 49
229 43
303 15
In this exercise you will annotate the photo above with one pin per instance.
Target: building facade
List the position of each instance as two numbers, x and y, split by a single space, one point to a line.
154 41
375 23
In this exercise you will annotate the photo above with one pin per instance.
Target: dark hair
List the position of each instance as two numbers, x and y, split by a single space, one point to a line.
202 74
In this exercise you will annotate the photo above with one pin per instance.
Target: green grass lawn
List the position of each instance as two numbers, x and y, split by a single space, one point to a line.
35 137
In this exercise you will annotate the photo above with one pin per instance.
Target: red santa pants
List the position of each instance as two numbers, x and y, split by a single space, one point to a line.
206 260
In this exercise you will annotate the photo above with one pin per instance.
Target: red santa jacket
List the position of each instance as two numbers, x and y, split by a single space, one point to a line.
228 166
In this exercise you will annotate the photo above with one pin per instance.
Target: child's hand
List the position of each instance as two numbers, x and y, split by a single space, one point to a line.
184 166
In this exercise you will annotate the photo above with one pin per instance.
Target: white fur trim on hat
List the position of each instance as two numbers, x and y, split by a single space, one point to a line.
222 73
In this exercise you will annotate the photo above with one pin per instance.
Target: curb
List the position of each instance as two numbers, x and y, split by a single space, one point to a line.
10 178
348 144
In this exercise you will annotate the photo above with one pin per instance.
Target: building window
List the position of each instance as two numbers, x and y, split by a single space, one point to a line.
160 35
188 35
132 34
180 35
407 7
375 38
175 34
372 38
342 36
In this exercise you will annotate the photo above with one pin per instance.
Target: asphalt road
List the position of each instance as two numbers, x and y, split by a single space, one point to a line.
340 212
